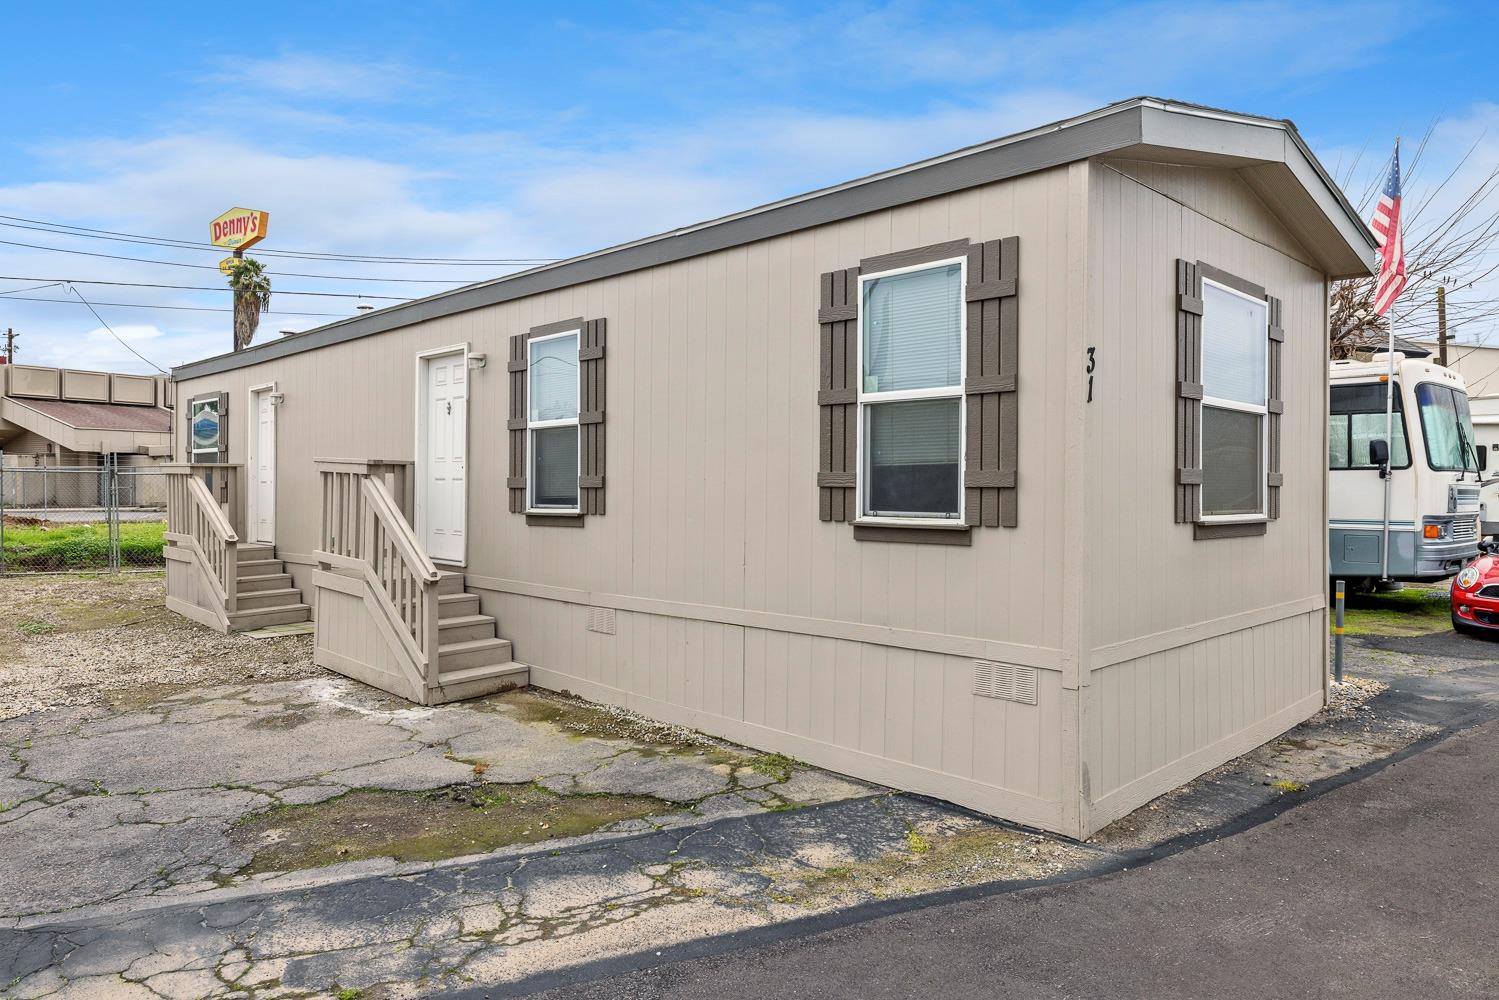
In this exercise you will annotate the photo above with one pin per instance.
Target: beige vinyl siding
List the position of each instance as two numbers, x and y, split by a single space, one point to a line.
1155 597
740 611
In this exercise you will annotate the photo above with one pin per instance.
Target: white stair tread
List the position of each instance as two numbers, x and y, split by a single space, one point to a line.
464 674
273 609
458 621
471 644
281 592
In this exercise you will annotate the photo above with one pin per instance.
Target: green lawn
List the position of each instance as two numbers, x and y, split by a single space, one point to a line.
33 548
1412 611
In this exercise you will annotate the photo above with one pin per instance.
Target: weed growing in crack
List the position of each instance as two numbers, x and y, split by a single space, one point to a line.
775 766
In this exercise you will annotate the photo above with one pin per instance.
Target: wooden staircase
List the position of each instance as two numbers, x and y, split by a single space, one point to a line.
265 592
472 660
386 615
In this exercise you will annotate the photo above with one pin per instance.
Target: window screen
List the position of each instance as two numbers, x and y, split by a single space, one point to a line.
1234 393
912 367
552 412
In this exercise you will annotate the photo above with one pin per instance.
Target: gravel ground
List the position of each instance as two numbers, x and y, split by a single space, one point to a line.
71 640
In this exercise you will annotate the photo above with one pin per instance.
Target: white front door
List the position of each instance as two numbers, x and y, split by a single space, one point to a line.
263 469
444 490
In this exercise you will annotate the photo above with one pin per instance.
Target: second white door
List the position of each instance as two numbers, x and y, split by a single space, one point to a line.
445 489
263 467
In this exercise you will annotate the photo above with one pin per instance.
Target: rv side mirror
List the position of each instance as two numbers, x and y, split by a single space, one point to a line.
1483 458
1379 453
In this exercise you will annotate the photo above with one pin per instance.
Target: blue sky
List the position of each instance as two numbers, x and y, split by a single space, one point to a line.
488 130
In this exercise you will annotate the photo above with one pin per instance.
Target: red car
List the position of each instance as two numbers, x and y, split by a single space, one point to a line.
1475 594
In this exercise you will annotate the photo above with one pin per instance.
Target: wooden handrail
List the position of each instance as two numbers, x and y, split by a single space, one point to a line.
363 529
194 517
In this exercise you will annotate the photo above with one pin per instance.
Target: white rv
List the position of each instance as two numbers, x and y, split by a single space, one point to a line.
1433 463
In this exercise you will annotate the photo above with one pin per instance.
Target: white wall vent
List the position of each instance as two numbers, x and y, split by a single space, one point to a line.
601 620
1005 681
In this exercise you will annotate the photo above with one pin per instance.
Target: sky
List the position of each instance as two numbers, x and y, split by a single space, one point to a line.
493 131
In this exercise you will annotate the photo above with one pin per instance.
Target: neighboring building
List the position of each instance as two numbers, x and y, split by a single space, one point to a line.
1479 366
998 477
62 416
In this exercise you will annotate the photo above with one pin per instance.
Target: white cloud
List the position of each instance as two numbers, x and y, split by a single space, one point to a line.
311 76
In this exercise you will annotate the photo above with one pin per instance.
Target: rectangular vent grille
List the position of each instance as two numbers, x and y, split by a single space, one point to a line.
1005 681
601 620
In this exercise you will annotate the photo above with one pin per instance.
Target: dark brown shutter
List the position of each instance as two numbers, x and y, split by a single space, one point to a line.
993 432
837 396
224 427
517 424
591 417
1188 391
1276 405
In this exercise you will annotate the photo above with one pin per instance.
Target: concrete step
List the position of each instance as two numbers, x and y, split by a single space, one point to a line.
464 628
473 653
270 581
476 682
449 582
242 621
259 567
457 605
269 598
256 550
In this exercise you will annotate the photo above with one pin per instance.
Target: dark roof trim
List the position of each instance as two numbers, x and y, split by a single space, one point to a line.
1116 127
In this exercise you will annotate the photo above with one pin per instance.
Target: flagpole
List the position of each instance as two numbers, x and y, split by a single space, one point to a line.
1389 421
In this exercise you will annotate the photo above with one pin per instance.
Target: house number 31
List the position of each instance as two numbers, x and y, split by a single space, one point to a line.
1092 363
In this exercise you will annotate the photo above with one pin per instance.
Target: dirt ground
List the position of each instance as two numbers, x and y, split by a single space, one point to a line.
90 640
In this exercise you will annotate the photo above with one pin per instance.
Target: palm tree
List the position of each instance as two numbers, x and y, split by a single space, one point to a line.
252 296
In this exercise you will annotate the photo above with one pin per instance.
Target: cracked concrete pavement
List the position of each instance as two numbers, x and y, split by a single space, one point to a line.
122 874
125 864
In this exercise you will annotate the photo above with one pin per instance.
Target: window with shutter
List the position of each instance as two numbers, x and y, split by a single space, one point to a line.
556 422
208 428
918 356
1228 390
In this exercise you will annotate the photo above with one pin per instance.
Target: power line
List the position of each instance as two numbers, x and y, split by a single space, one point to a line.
116 336
186 288
140 305
212 267
63 229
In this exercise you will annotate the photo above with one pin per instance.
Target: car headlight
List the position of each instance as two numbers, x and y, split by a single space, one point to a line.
1468 578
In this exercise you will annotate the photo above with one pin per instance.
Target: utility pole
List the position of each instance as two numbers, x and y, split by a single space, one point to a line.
1442 325
10 346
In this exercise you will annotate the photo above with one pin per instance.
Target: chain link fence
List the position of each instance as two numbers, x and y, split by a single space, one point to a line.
108 518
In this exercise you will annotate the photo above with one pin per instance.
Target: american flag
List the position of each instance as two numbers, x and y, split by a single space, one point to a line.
1386 226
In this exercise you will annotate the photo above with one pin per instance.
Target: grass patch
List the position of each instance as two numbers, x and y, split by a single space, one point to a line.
34 626
775 766
1412 611
40 547
1288 787
426 826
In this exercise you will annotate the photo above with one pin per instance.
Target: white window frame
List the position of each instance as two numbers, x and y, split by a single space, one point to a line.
192 451
1263 411
532 426
905 395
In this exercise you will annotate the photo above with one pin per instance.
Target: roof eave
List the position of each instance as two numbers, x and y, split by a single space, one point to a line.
1132 126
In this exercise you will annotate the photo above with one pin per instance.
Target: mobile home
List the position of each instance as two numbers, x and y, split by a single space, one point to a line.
998 477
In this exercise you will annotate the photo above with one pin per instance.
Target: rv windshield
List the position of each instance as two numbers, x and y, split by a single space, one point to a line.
1448 428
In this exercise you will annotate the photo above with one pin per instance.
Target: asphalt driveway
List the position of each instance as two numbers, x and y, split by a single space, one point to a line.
1385 887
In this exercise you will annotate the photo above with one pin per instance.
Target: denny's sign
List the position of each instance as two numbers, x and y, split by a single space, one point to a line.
239 228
